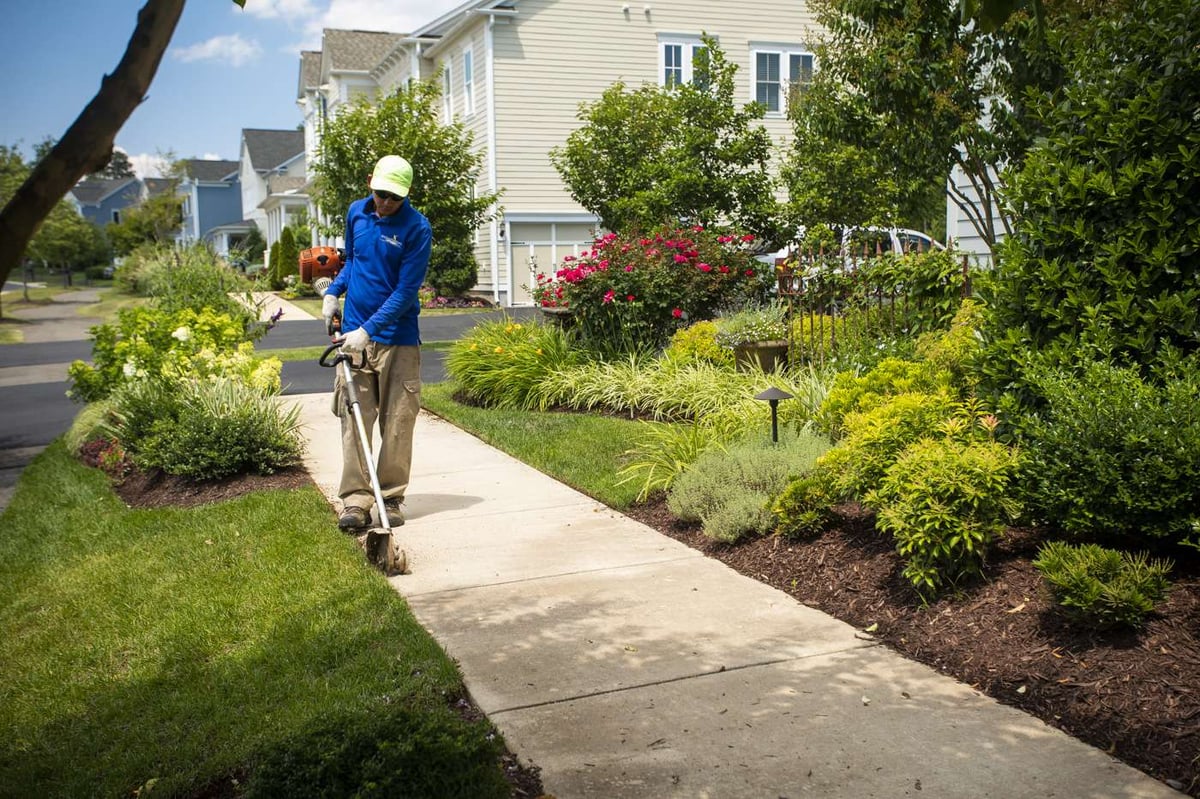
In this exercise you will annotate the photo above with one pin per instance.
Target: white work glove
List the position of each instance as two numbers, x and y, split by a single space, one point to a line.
355 341
329 306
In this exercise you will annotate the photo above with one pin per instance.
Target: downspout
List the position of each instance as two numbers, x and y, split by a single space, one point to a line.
490 46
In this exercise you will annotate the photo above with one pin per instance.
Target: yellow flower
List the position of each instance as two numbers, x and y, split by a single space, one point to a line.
499 349
539 350
474 346
517 325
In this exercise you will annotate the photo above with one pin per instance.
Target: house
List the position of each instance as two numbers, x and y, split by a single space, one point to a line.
515 72
212 204
103 200
961 232
271 174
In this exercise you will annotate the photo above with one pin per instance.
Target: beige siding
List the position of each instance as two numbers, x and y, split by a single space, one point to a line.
554 55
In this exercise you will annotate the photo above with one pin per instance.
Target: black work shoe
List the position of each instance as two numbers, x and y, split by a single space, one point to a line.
394 513
353 518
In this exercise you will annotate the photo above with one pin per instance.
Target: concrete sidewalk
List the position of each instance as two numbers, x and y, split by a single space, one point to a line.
625 664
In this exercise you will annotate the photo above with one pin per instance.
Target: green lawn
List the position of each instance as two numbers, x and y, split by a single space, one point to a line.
174 646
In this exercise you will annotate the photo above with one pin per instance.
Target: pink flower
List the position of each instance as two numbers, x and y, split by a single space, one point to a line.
681 259
628 298
723 269
704 267
724 239
568 258
629 268
698 228
749 273
608 296
676 312
748 237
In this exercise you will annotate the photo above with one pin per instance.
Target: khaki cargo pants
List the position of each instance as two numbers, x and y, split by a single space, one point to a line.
389 391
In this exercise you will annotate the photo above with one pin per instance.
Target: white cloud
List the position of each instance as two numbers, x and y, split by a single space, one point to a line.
380 15
232 50
148 166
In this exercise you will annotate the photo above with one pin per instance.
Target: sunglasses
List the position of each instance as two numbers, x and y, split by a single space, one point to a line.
387 195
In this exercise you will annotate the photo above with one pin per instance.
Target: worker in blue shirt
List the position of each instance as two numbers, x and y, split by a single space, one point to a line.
386 256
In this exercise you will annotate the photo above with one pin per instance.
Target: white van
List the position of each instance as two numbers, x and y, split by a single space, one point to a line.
866 241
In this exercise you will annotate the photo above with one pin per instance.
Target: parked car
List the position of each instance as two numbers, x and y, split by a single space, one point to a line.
855 242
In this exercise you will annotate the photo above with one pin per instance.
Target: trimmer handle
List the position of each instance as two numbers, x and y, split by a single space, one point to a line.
325 360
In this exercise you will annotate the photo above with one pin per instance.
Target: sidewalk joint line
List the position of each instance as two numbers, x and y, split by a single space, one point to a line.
681 678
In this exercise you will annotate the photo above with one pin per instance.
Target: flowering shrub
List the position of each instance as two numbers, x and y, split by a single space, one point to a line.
631 292
148 342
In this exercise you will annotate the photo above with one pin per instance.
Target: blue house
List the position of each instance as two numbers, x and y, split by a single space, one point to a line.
104 200
212 204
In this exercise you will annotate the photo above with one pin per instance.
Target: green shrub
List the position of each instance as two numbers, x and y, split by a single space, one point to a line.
664 451
394 751
815 337
88 425
698 342
453 270
955 350
1101 587
502 363
148 342
858 463
946 502
1113 457
194 279
729 490
892 376
206 429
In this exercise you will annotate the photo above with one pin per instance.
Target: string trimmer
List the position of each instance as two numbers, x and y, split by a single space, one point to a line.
381 549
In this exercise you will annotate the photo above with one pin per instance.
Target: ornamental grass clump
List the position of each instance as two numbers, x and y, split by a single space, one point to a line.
631 292
502 364
1100 587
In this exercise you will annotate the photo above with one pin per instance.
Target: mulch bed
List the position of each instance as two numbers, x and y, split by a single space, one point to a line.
1136 695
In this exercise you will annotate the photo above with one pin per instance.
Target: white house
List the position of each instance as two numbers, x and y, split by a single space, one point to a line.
271 169
515 73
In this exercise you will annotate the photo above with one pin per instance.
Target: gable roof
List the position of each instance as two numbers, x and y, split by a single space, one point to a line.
210 170
354 50
269 149
92 191
310 72
157 186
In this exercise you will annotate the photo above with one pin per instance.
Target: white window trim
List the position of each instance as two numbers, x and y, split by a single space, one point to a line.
688 44
468 56
785 53
448 92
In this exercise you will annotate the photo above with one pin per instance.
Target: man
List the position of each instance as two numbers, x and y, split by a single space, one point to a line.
387 254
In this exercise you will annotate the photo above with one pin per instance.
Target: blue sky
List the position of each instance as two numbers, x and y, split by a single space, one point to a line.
226 68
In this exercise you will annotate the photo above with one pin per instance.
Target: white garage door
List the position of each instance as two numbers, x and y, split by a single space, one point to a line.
540 247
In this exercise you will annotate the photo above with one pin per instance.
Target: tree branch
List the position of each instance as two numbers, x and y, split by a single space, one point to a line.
87 145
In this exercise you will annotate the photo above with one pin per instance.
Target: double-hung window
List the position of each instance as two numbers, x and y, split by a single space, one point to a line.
777 70
676 56
447 92
468 67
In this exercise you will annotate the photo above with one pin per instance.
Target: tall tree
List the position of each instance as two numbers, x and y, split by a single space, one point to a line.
446 166
88 144
119 166
657 154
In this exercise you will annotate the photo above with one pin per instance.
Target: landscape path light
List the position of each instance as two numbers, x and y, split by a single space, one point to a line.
773 395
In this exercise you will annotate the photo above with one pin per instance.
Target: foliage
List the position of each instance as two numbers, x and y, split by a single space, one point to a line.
729 489
631 292
156 220
1113 456
1100 587
946 502
1106 262
665 450
446 165
399 751
698 342
205 429
119 166
196 279
285 262
766 322
907 90
650 155
502 363
147 342
453 270
892 376
858 463
956 350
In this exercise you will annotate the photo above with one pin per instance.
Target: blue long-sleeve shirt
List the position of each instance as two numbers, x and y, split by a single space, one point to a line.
385 265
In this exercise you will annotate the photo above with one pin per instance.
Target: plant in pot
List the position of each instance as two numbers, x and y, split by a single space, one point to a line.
757 335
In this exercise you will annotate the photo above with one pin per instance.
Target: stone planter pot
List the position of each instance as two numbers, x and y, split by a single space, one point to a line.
767 356
562 317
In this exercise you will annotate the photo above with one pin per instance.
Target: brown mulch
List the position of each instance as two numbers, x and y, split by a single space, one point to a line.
156 490
1136 695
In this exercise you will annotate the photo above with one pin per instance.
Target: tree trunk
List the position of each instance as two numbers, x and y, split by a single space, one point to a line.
88 144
